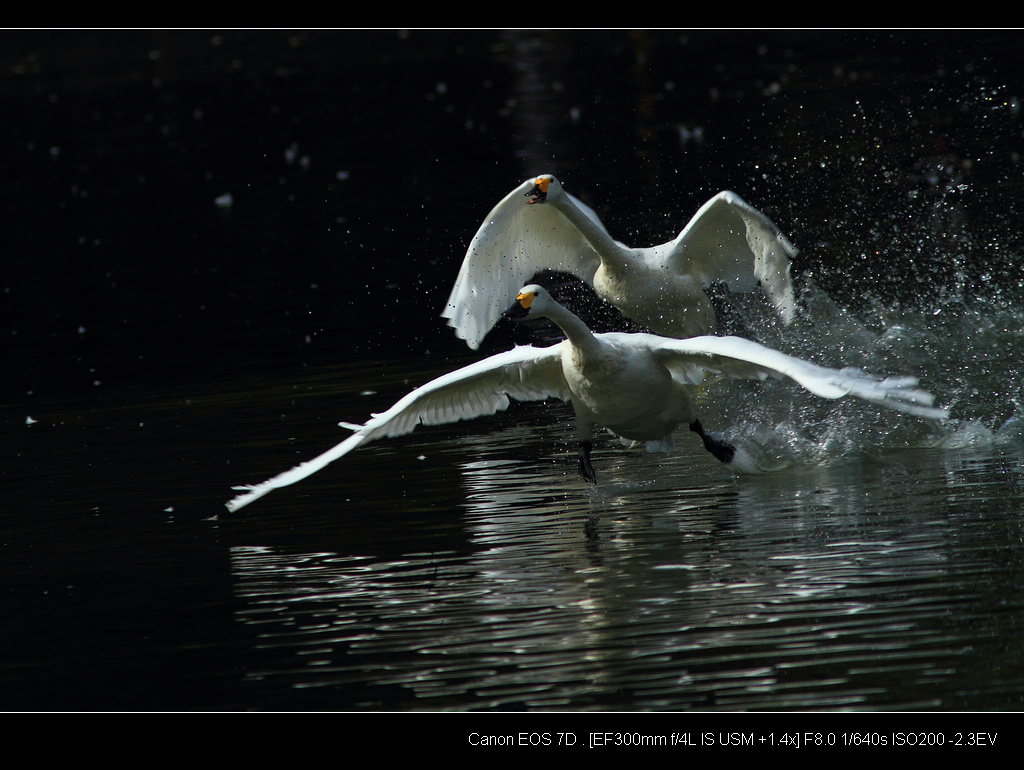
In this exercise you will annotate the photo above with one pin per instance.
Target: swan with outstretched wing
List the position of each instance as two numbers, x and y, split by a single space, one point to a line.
635 385
538 227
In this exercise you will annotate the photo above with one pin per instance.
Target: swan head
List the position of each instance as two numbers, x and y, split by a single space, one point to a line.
544 186
532 301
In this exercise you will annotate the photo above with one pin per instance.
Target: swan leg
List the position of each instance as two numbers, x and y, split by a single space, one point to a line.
586 469
721 451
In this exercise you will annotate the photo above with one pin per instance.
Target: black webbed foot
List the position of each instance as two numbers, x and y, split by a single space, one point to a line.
586 469
719 449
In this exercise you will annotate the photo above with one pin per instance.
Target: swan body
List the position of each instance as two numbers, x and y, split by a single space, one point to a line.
538 226
635 385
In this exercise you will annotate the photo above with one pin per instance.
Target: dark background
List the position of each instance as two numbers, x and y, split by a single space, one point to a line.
360 163
148 333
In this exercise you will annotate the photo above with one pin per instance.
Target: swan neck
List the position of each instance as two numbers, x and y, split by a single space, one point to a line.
594 233
575 330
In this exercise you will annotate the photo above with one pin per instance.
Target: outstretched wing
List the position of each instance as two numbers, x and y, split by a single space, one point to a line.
738 357
524 373
730 241
516 241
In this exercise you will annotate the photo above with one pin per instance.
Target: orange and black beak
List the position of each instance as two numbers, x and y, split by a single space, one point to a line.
539 193
520 308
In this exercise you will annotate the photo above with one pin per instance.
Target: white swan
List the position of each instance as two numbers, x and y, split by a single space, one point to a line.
538 226
632 384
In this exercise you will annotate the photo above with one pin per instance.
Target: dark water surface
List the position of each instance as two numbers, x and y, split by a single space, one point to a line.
218 245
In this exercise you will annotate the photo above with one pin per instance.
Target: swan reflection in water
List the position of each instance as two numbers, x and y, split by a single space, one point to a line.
786 591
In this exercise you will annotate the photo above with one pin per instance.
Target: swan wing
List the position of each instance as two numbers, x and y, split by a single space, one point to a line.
743 358
730 241
525 373
516 241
